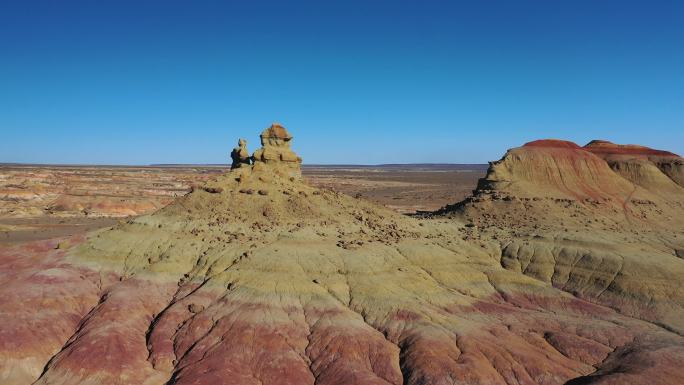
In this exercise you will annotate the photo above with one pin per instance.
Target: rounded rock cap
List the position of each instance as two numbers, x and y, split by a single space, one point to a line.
610 148
276 131
552 143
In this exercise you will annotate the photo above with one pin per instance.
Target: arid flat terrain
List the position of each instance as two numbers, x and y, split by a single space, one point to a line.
40 201
404 188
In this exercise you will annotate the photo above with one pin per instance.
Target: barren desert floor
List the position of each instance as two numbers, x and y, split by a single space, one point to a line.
41 202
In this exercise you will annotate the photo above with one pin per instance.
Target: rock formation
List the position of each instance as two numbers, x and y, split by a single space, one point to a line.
259 279
554 168
610 148
240 155
661 171
275 142
601 223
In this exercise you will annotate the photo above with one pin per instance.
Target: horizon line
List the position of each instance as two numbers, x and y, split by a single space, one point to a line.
22 164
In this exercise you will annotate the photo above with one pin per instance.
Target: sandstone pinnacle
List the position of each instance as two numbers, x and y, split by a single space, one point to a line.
240 155
275 142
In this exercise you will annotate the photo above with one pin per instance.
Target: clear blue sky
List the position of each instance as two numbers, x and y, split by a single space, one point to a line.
138 82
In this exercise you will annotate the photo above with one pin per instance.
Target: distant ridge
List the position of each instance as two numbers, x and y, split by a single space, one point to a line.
449 166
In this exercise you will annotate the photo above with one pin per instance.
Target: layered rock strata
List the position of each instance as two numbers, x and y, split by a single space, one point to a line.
657 170
258 278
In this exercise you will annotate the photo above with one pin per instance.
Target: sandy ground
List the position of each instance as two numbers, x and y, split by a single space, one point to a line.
403 188
18 230
42 202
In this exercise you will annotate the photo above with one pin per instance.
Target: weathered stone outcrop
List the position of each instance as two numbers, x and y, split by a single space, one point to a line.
601 222
275 142
609 148
556 169
274 156
660 171
240 155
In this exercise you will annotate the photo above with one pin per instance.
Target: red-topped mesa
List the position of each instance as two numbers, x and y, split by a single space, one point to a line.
606 147
553 143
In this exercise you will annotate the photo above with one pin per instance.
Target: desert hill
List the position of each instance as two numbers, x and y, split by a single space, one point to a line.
550 274
601 222
657 170
554 169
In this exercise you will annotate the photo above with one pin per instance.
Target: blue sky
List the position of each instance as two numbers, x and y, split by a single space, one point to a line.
139 82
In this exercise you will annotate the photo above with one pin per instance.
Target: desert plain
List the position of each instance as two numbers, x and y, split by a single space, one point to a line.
45 201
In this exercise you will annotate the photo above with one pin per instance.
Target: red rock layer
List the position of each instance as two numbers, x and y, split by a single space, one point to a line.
606 147
266 329
660 172
559 169
552 143
42 302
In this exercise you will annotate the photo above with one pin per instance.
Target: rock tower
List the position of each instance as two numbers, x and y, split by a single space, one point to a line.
275 142
275 154
240 155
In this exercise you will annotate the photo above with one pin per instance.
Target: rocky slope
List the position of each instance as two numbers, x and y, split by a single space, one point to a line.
602 223
258 278
656 170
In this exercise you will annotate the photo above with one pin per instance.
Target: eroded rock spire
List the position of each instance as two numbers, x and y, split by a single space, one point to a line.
240 155
275 142
275 154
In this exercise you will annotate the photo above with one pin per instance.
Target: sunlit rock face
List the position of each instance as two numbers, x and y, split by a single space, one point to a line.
258 278
601 222
554 168
240 156
276 151
275 142
661 171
